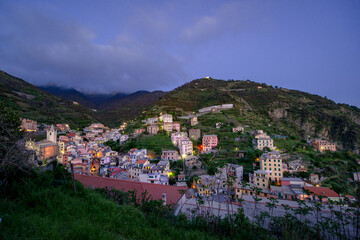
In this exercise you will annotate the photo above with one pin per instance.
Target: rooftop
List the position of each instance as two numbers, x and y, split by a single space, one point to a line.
155 190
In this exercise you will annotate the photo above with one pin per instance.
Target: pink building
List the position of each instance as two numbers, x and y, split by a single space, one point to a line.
322 145
153 129
209 142
176 126
169 155
168 126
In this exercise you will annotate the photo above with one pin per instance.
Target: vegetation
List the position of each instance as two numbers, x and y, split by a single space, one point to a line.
31 102
153 143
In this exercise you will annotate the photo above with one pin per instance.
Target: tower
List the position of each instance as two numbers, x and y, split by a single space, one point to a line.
51 135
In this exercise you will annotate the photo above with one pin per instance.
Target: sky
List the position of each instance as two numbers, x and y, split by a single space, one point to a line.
124 46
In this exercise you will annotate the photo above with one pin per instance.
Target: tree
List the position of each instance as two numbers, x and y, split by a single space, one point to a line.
14 158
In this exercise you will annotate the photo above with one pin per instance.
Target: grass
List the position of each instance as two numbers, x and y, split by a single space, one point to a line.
44 207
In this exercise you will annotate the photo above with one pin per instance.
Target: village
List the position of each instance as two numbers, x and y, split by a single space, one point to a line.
87 155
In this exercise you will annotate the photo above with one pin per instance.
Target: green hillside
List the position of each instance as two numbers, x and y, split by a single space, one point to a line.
276 110
33 103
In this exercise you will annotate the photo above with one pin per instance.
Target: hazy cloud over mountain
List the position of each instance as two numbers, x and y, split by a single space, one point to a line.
126 46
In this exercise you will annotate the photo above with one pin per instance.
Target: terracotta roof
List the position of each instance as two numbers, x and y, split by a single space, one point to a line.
322 191
155 190
142 161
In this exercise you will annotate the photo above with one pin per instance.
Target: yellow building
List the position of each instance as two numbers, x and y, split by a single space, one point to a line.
272 162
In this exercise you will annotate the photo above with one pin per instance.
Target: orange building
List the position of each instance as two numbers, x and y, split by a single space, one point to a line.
322 145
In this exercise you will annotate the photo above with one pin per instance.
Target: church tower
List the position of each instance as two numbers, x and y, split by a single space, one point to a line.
51 135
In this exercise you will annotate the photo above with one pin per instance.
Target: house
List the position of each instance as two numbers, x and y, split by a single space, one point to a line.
138 168
194 134
218 125
139 130
296 166
154 178
262 141
172 194
325 193
170 155
314 178
356 176
166 118
153 129
238 129
176 126
181 178
193 121
272 162
209 142
28 125
292 181
233 170
283 192
63 127
260 178
150 121
322 145
168 126
176 136
185 147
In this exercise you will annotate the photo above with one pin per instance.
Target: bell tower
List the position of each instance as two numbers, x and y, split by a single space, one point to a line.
51 135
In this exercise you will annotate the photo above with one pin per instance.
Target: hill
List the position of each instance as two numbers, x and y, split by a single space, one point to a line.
112 109
276 110
36 104
129 107
90 100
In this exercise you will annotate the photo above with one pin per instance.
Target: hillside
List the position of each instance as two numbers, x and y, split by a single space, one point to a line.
36 104
276 110
129 107
112 109
90 100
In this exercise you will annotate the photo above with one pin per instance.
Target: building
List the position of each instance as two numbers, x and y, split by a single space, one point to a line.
153 129
194 121
314 178
172 194
139 130
292 181
323 193
235 171
262 141
356 176
45 149
155 178
176 126
51 135
209 142
63 127
238 129
28 125
322 145
168 126
176 136
166 118
272 162
194 134
185 147
260 178
152 120
170 155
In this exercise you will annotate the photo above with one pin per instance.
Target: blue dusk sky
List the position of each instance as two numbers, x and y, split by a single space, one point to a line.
124 46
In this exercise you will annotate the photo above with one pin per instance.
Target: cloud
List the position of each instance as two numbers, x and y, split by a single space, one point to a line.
204 28
45 50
